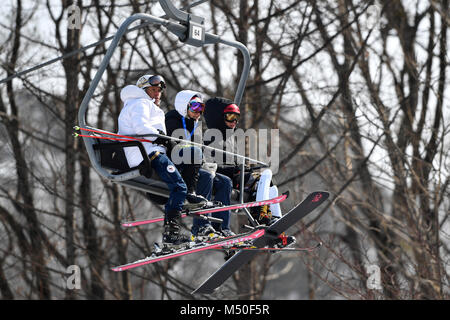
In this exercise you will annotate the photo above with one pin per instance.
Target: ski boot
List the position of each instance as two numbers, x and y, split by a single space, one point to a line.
172 238
226 233
206 233
263 215
284 241
194 201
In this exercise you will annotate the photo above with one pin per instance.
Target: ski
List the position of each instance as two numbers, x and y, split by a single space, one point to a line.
273 249
197 247
203 211
311 202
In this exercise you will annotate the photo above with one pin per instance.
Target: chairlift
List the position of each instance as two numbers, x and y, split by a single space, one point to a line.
107 157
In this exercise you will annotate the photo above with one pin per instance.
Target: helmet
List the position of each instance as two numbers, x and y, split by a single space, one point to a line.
149 80
232 108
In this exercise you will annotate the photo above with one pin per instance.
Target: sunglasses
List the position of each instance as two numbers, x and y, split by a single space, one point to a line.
196 106
231 117
157 81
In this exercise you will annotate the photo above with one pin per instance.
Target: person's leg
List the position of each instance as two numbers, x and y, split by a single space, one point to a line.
223 187
199 186
188 160
170 175
275 208
263 193
205 184
204 188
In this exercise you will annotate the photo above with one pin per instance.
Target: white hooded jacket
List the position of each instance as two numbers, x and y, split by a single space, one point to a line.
182 99
174 118
140 116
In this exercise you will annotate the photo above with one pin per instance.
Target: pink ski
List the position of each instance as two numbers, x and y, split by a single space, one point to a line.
211 245
211 210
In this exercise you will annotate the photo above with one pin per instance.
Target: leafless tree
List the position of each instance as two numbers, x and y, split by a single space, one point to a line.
357 90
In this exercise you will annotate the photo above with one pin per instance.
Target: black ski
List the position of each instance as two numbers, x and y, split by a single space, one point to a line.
311 202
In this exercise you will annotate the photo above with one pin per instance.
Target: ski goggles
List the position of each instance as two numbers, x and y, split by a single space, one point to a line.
196 106
157 81
231 117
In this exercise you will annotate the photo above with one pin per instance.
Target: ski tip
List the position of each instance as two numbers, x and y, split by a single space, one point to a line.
319 196
201 290
286 194
116 269
127 224
322 191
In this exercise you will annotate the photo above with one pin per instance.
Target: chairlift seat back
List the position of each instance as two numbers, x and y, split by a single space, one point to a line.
113 156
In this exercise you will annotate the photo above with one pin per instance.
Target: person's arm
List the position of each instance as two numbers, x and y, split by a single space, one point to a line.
226 170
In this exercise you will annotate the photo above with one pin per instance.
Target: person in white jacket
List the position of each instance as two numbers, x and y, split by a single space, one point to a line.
141 115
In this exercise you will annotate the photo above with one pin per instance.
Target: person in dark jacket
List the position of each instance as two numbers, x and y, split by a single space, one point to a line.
182 122
180 153
216 109
222 114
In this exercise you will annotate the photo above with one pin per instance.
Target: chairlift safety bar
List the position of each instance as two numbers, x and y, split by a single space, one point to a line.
244 158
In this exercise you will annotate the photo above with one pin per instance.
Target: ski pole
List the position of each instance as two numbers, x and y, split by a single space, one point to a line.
108 138
77 128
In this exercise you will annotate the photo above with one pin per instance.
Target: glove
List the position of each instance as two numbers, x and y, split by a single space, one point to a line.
160 140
